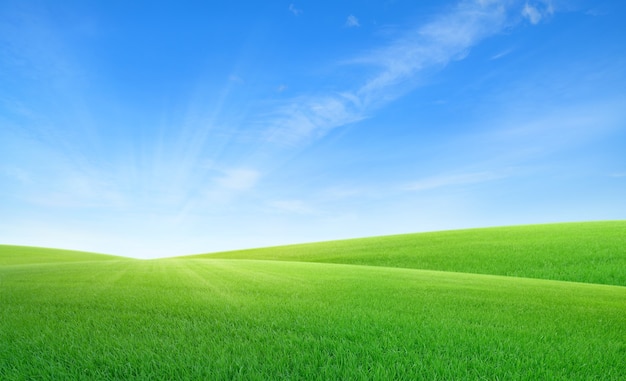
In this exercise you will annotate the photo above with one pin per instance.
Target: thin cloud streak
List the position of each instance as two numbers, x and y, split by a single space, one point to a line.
239 179
501 54
453 180
293 206
313 117
352 22
538 11
446 38
294 10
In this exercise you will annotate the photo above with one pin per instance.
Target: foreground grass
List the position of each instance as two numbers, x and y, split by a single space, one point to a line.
242 319
592 252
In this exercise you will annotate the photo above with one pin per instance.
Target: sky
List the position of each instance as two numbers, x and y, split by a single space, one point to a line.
163 128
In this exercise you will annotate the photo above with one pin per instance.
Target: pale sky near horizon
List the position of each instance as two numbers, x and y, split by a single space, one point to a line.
162 128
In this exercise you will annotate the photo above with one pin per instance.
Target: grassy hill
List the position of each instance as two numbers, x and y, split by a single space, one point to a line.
24 255
252 319
592 252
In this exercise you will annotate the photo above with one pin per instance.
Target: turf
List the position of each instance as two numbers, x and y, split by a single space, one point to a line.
246 319
591 252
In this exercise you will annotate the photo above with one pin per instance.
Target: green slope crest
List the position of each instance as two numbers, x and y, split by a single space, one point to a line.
590 252
26 255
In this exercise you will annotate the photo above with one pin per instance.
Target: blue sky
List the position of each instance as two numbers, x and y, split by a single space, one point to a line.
165 128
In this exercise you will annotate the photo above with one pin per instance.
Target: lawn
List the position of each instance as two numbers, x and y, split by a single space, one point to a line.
249 318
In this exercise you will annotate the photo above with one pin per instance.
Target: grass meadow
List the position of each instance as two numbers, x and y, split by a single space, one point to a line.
511 303
580 252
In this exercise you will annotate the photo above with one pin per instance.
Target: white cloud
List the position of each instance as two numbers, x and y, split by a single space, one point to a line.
293 206
396 66
313 117
531 13
446 38
536 12
501 54
352 22
559 127
238 179
452 180
294 10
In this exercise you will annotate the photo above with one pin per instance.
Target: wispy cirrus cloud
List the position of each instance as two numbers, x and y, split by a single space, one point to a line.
239 179
537 11
313 116
395 67
293 207
294 10
352 22
436 182
501 54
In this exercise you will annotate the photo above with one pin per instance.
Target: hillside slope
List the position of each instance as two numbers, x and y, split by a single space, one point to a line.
26 255
591 252
74 315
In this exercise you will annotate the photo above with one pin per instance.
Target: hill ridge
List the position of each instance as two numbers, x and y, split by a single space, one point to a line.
11 255
587 252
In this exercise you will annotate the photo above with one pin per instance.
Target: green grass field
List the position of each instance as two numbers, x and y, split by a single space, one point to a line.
581 252
493 305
